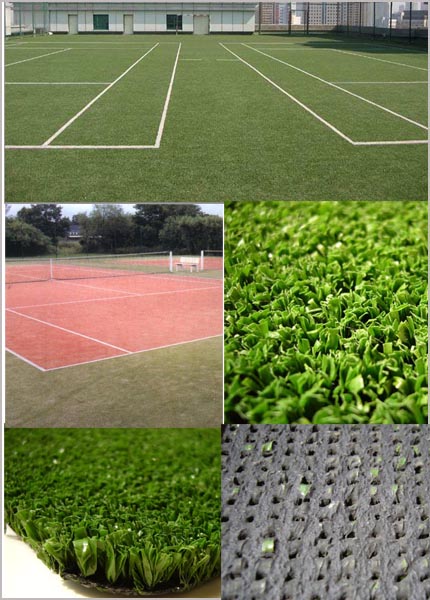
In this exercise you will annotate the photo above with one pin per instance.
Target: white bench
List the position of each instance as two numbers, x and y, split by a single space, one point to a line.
193 262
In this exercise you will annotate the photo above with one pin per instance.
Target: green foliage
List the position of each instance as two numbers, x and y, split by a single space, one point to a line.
47 218
23 239
192 234
106 228
137 508
326 312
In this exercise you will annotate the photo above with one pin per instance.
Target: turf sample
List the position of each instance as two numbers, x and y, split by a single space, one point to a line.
130 510
329 512
326 312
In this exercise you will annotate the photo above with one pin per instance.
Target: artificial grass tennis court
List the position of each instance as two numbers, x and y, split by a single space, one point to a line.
179 386
214 118
127 510
326 313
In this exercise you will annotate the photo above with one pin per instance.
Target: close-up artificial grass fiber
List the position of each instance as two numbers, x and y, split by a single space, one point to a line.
326 312
132 511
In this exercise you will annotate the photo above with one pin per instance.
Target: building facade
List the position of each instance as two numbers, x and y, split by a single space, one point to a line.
134 17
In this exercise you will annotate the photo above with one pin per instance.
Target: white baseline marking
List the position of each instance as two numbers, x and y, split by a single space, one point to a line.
73 119
191 59
209 337
392 62
387 110
67 330
275 85
24 359
379 82
35 57
43 147
167 101
57 82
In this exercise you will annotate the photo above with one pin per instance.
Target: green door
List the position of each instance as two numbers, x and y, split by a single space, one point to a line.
101 22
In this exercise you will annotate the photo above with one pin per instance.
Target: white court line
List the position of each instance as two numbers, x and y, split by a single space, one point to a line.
155 146
57 82
392 62
275 85
387 110
166 103
25 359
81 147
391 143
209 337
314 114
226 60
67 330
131 295
191 59
35 57
378 82
73 119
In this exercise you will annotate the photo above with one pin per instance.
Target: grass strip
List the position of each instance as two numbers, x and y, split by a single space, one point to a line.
130 510
326 312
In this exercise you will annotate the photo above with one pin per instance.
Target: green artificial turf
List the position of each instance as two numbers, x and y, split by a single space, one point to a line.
229 134
132 509
326 312
151 389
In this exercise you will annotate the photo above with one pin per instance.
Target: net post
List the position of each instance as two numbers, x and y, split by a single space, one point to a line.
51 269
202 260
171 261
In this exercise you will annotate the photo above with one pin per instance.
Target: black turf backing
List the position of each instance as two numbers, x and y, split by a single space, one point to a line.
325 512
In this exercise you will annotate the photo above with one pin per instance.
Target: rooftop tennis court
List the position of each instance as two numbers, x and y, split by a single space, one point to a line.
213 118
91 313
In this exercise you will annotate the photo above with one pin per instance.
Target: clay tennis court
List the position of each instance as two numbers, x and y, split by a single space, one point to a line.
55 324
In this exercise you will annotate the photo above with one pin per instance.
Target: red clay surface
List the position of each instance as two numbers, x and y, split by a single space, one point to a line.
57 324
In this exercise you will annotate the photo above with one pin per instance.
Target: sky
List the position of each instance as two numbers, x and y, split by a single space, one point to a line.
72 209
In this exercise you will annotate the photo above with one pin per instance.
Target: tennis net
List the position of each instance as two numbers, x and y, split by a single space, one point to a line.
87 267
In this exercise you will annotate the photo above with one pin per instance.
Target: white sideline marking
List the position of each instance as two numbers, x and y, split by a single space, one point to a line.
392 62
314 114
73 119
379 82
155 146
57 82
391 112
131 295
191 59
35 57
67 330
166 103
24 359
209 337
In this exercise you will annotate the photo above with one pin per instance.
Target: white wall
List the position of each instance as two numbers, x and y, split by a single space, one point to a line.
223 18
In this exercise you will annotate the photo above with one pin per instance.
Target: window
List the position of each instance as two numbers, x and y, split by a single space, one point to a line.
174 22
101 22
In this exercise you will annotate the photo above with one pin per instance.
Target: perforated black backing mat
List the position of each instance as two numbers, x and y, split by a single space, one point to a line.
325 512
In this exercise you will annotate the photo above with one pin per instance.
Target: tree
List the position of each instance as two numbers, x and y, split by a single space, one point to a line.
47 218
106 228
22 239
192 234
150 219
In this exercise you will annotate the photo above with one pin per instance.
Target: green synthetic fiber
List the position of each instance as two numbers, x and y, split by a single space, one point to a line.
135 509
326 312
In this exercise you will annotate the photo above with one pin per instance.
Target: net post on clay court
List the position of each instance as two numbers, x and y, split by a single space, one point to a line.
27 270
211 260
